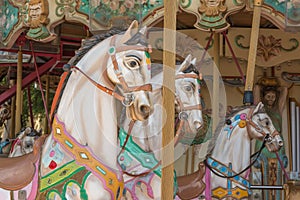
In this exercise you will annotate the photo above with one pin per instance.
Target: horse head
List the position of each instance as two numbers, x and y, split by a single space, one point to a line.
260 126
188 100
5 112
24 142
129 69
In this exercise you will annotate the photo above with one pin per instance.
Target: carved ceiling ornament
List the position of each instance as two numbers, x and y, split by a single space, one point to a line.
212 14
212 7
268 47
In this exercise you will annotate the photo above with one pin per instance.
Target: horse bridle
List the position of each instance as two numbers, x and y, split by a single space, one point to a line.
183 116
250 123
126 99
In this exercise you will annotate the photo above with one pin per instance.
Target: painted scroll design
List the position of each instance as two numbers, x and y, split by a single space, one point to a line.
268 46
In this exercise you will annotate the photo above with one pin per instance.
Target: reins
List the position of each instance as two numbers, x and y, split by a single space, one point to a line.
245 169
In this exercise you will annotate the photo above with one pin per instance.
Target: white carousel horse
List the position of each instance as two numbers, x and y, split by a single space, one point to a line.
24 142
146 135
225 171
82 147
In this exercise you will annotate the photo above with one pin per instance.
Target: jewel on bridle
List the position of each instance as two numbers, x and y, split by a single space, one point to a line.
228 121
183 116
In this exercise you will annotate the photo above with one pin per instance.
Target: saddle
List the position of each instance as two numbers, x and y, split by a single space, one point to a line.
191 186
18 172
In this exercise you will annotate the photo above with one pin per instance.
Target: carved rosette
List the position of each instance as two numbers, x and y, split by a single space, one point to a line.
211 14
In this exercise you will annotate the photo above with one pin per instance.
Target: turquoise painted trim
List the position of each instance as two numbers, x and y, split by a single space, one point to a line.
146 159
68 143
11 18
101 170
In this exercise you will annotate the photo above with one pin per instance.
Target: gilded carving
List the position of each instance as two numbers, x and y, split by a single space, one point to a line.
212 7
268 47
38 11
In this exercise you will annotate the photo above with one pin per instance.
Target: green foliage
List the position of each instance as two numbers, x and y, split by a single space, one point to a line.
36 102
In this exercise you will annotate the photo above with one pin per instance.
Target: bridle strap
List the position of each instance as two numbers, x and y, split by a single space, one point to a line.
131 124
256 127
99 86
125 87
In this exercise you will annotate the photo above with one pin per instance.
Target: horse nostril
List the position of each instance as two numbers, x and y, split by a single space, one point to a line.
145 109
280 143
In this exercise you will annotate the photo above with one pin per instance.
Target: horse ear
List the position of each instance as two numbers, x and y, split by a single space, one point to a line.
193 62
185 64
132 30
259 106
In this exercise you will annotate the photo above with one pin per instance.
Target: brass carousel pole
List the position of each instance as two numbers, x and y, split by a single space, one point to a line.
169 46
19 91
216 83
248 95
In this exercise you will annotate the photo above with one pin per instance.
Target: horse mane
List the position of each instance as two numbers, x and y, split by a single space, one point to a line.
220 125
87 44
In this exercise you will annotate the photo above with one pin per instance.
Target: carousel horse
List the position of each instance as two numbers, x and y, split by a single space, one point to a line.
79 157
226 170
24 142
141 153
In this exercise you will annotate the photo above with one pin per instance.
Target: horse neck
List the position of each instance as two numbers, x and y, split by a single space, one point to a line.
88 113
236 149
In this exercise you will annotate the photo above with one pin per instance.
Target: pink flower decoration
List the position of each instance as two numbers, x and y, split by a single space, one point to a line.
243 116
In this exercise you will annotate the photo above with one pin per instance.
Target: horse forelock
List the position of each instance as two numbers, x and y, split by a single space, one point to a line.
191 68
138 38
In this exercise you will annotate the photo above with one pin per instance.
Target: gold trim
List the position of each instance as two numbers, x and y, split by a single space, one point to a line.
85 158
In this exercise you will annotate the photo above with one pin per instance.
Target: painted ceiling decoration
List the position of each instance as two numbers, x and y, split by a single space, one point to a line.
212 14
38 18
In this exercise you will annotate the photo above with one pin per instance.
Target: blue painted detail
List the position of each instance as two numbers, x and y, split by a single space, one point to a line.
228 172
223 169
101 170
237 117
68 143
214 164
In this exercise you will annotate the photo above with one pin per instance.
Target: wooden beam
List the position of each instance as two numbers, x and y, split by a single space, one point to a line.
28 79
169 46
248 96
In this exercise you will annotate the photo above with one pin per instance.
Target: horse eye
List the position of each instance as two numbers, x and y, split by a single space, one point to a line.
267 123
5 111
188 88
132 64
